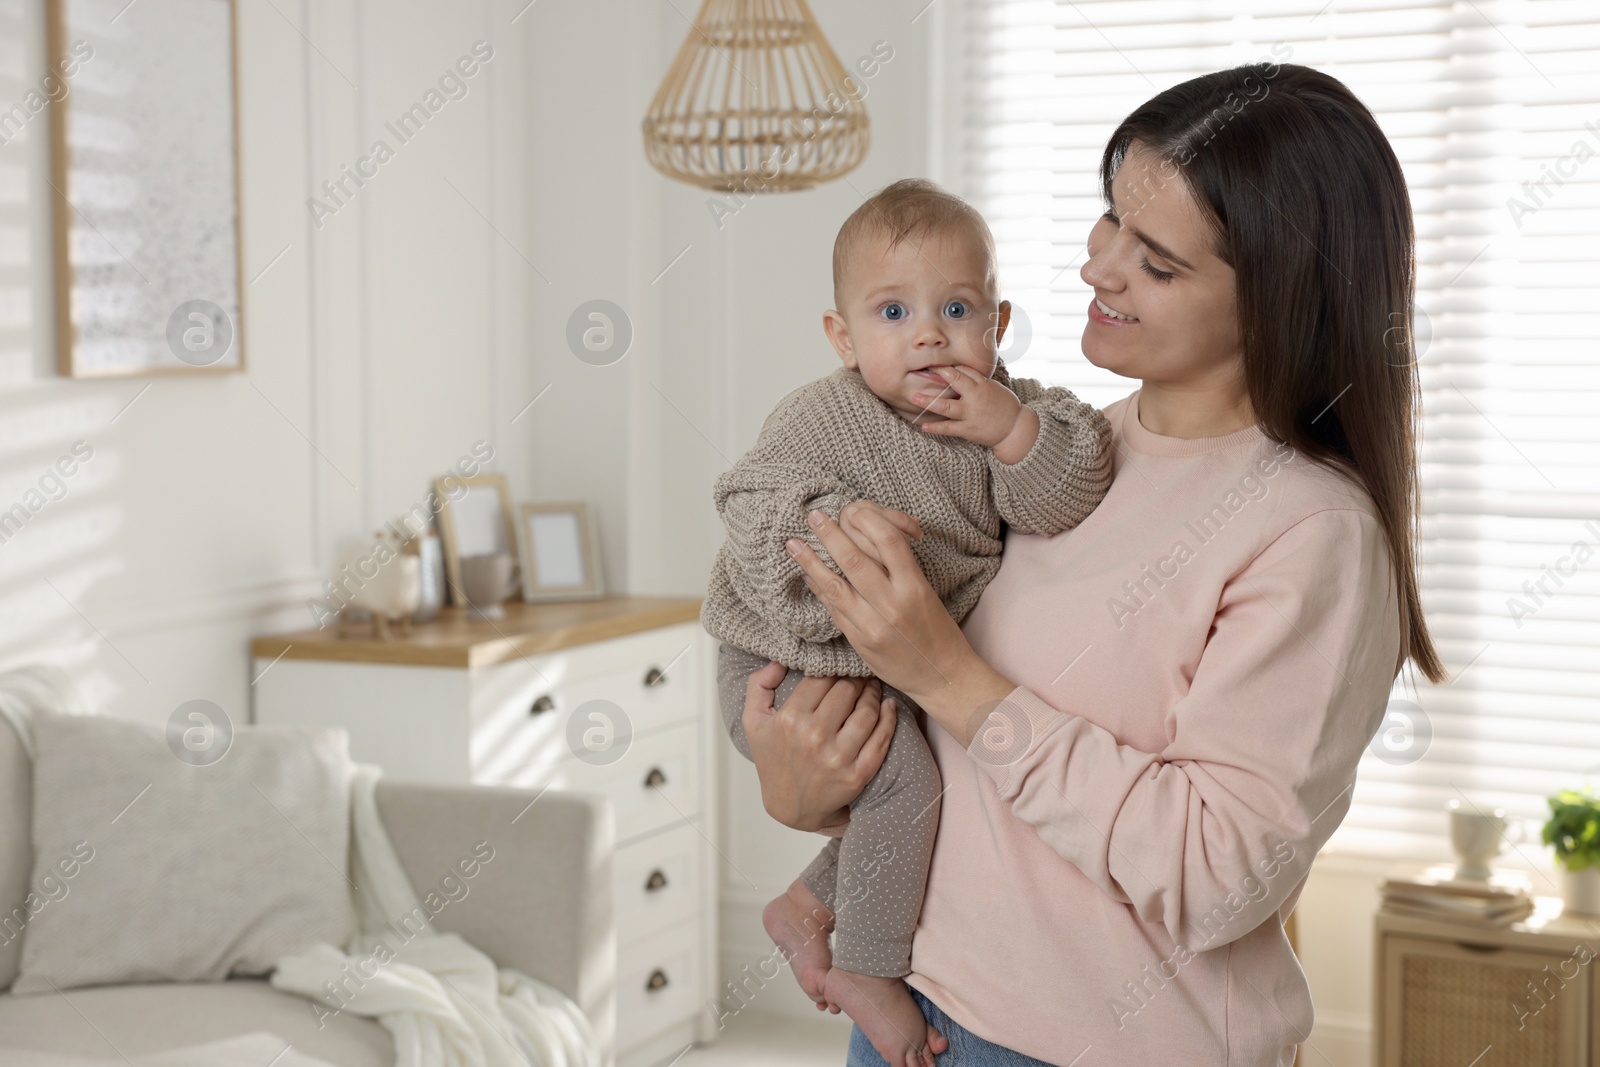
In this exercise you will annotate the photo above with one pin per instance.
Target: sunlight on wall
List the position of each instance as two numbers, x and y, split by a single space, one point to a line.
58 526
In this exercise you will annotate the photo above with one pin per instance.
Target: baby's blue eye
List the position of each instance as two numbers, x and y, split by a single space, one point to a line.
894 312
956 309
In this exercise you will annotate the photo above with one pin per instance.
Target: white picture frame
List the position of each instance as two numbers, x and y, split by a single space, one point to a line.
560 552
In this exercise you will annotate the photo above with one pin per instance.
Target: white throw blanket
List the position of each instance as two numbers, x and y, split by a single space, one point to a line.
442 999
444 1002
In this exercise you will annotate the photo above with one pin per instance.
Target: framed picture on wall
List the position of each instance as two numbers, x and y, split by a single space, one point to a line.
560 552
144 170
475 519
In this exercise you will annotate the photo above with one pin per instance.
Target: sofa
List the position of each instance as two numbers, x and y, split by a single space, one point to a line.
543 908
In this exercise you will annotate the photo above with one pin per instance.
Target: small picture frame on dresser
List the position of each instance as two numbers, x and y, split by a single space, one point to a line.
475 519
560 552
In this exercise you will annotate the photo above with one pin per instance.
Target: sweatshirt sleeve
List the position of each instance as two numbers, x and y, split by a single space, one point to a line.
1210 835
763 503
1065 474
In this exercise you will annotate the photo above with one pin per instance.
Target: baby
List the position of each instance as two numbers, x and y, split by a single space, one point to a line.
922 418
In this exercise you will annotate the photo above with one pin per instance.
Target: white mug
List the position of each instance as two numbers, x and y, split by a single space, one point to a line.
1477 834
485 582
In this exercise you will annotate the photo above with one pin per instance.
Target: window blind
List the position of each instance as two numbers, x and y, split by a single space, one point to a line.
1494 111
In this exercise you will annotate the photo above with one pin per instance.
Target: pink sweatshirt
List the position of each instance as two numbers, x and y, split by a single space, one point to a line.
1199 666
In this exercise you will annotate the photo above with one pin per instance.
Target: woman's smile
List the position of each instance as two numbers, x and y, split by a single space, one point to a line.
1102 313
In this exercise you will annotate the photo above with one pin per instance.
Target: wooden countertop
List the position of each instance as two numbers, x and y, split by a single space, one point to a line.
451 639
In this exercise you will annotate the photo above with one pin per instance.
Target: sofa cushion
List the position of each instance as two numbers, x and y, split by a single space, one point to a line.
23 690
130 1020
150 867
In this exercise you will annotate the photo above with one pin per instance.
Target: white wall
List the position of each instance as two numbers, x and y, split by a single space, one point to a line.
202 511
380 344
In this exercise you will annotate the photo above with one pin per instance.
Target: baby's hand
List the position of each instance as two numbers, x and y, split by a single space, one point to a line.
980 410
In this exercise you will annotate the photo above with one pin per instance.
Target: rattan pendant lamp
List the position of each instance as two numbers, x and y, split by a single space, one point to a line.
756 101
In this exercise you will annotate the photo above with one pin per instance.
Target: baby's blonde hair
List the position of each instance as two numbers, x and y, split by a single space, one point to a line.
912 207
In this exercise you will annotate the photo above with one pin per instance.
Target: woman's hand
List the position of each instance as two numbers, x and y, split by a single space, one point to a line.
909 525
816 753
885 607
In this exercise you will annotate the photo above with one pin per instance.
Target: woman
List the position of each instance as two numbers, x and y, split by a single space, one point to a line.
1151 723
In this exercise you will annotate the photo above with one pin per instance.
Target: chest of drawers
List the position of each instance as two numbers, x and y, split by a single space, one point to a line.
613 697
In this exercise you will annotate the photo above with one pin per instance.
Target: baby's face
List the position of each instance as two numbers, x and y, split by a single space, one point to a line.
917 306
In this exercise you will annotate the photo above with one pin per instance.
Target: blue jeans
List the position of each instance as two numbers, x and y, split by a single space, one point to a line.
966 1048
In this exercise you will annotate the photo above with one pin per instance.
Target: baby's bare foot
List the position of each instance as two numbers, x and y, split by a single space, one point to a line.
884 1010
799 923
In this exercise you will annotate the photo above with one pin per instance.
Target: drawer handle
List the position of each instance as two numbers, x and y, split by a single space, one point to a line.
657 980
1485 949
655 779
657 880
544 703
654 677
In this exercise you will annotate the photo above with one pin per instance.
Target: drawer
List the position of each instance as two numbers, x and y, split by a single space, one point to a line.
525 710
656 983
656 883
654 783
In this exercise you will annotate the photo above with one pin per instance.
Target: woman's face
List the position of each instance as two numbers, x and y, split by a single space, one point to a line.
1172 309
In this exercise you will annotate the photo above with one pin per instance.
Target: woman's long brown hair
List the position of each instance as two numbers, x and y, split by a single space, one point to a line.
1310 208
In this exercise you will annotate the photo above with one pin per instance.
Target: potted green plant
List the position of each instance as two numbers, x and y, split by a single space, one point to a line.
1574 830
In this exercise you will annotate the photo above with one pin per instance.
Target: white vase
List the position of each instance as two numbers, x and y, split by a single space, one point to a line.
432 596
1580 891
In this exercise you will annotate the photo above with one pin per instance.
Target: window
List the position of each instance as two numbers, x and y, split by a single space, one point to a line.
1494 111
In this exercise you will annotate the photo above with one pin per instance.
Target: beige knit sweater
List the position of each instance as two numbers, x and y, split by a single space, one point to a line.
832 442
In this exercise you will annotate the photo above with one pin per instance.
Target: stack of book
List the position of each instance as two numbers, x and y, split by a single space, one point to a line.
1437 893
